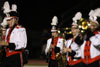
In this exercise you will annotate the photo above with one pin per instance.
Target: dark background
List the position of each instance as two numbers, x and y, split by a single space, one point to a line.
36 17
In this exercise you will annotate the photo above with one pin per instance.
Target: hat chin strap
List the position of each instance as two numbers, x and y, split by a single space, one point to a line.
13 22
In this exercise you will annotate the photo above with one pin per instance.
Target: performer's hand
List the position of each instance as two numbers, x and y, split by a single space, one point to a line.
66 50
3 43
52 46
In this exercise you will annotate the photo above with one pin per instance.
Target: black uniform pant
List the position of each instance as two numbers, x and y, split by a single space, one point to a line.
14 61
53 63
76 65
94 64
2 57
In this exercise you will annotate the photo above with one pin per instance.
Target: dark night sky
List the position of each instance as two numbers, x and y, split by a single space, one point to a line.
37 14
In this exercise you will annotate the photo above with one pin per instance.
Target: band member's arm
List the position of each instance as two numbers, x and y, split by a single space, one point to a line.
79 40
57 49
70 51
47 49
95 40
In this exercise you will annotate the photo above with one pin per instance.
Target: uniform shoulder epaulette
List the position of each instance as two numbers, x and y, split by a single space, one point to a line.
60 37
69 38
50 38
19 26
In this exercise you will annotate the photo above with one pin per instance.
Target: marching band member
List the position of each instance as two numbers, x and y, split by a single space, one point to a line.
54 45
73 49
15 39
91 46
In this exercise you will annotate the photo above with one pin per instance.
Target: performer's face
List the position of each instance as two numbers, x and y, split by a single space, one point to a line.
74 30
54 34
93 26
11 22
4 32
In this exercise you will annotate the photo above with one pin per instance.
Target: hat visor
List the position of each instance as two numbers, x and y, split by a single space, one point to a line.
53 30
9 18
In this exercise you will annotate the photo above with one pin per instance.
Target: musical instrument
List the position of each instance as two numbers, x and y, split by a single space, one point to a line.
1 50
83 25
66 30
64 54
61 57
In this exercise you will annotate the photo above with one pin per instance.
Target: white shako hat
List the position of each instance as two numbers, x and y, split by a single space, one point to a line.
10 13
77 17
54 24
94 15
